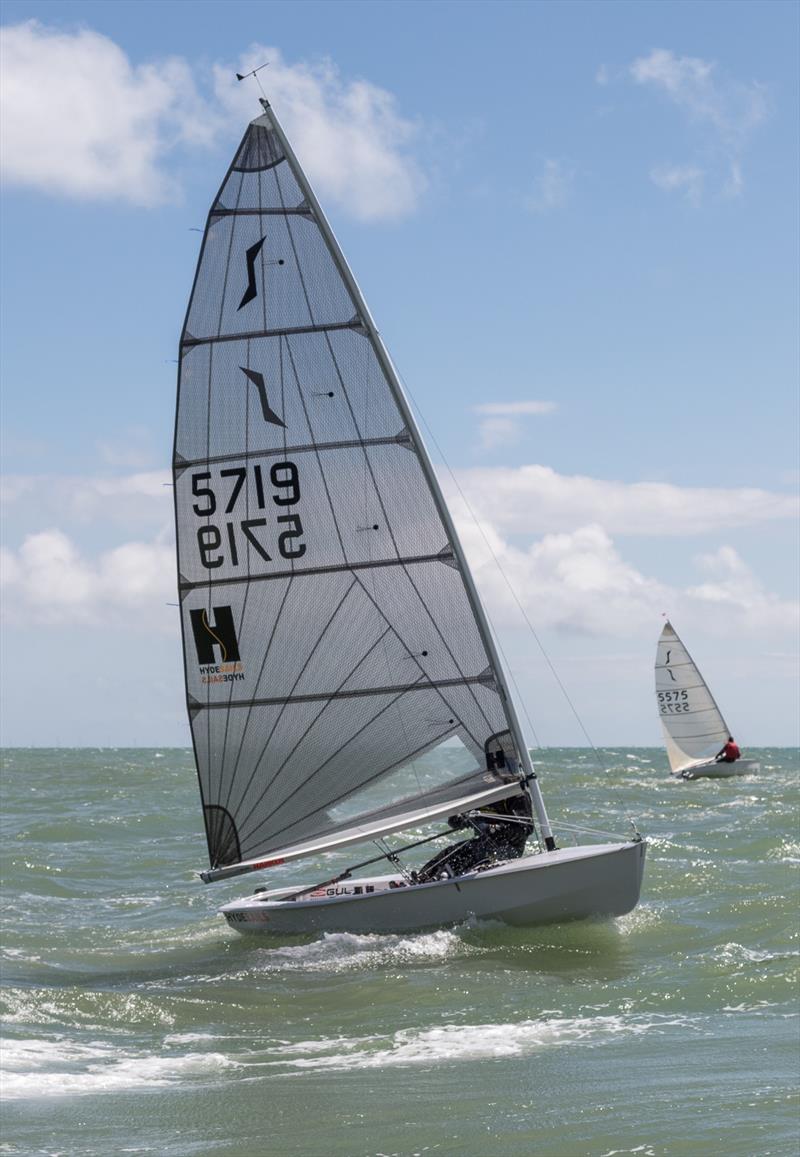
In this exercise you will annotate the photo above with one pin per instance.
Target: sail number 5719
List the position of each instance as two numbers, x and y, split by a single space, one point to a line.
233 539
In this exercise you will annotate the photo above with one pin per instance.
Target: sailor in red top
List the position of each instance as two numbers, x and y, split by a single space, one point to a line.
729 753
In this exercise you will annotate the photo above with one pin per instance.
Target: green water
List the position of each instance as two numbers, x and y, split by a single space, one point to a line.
137 1023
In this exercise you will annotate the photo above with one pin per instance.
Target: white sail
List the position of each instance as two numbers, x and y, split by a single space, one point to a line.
332 634
694 730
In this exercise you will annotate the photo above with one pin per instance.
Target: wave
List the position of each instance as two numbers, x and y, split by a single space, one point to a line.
348 951
453 1043
54 1068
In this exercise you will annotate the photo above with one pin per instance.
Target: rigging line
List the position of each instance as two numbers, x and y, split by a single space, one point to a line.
507 582
516 687
595 752
346 396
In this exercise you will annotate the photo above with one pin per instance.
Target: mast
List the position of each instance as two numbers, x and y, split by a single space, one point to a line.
385 361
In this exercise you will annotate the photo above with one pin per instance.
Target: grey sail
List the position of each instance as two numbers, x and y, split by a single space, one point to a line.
335 669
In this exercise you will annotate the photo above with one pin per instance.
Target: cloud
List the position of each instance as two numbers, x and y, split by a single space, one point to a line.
516 408
579 582
554 536
348 135
48 580
536 500
732 587
499 427
686 179
725 108
133 448
131 500
551 188
575 581
126 121
119 120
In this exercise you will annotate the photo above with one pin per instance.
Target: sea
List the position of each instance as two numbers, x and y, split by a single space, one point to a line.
136 1022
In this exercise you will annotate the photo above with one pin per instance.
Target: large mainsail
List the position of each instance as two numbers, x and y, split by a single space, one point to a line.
694 729
330 631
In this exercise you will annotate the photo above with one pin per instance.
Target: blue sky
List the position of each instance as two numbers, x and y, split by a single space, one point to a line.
576 226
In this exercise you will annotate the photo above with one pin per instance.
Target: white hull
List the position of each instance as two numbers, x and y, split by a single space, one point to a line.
602 880
720 770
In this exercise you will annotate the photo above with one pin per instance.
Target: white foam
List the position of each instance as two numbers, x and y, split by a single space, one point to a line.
645 1150
644 916
454 1043
733 953
346 951
53 1068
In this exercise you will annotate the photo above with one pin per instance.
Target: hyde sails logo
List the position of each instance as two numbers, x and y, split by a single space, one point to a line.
217 645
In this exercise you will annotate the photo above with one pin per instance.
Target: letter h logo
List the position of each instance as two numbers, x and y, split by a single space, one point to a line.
221 633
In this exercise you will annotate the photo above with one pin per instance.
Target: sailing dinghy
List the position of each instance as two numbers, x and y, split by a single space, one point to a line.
694 730
342 680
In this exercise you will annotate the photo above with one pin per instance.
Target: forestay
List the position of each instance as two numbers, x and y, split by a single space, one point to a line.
329 637
694 729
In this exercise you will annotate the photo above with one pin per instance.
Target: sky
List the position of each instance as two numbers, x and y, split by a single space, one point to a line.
576 226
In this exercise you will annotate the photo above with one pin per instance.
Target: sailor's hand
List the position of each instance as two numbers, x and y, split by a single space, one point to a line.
457 822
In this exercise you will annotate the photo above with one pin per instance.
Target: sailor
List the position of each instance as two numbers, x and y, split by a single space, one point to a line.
729 753
500 833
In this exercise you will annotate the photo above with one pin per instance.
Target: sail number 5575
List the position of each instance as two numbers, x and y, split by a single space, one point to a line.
231 539
673 702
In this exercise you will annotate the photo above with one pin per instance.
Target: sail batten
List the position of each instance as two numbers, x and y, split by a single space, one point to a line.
331 638
323 696
682 695
299 572
288 331
299 448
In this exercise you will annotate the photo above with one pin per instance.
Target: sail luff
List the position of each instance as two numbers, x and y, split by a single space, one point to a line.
177 468
392 377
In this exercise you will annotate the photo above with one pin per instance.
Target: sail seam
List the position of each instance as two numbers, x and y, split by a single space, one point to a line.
300 211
